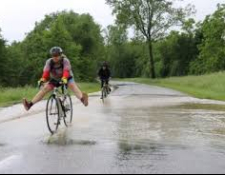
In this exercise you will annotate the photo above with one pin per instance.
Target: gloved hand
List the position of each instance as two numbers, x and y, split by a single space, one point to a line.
64 81
41 82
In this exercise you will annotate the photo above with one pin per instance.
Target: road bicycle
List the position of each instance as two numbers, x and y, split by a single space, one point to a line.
59 108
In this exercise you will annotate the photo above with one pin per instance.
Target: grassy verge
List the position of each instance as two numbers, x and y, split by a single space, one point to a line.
210 86
10 96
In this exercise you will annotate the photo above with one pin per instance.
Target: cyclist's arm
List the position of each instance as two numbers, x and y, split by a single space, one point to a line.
46 71
67 68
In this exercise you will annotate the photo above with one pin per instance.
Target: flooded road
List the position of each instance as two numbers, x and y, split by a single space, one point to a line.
139 129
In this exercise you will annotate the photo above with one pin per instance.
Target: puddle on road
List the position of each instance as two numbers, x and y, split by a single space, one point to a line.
144 147
61 139
174 137
68 142
185 123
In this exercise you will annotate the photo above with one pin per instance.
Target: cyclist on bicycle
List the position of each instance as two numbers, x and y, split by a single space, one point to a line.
105 75
57 72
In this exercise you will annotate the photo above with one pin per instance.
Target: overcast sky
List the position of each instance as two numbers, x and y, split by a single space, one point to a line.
18 17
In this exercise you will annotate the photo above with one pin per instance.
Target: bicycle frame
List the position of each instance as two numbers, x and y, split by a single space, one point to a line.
61 97
59 94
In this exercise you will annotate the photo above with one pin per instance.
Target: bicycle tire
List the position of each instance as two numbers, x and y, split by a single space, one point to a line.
65 108
103 98
52 126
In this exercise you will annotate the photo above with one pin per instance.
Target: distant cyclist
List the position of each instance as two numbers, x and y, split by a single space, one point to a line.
57 71
105 75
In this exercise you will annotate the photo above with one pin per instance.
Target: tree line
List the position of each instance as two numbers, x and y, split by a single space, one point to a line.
155 50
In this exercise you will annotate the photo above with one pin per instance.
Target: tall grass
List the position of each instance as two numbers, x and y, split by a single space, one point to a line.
9 96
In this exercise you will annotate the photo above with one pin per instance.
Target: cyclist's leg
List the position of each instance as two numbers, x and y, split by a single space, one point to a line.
75 89
46 89
102 83
78 93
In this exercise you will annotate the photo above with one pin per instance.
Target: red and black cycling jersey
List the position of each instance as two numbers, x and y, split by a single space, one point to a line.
58 70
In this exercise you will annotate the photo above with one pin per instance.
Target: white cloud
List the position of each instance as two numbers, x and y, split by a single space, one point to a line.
204 7
18 17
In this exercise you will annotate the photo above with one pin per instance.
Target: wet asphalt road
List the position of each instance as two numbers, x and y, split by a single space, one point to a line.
140 129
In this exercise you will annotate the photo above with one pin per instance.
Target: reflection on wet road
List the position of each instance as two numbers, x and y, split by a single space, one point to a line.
140 129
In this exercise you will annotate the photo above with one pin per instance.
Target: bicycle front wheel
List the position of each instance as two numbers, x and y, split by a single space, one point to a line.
53 114
103 95
68 110
105 92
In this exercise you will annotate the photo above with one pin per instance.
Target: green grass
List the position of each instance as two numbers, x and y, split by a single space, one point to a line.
10 96
210 86
89 87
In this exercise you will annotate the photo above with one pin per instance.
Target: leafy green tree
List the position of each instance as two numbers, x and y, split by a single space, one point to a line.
3 62
175 54
16 65
119 52
212 52
78 35
151 17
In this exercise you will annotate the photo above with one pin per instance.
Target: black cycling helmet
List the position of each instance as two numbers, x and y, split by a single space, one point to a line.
56 51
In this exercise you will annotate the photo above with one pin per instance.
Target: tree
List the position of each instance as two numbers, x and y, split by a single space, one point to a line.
212 52
3 62
78 35
151 17
16 65
176 52
119 52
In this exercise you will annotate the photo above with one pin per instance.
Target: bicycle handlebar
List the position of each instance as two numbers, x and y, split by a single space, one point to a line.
64 86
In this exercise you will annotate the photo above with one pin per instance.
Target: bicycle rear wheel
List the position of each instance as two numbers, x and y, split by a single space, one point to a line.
53 114
68 110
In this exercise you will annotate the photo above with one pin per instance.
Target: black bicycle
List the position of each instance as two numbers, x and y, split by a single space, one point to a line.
105 91
59 107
